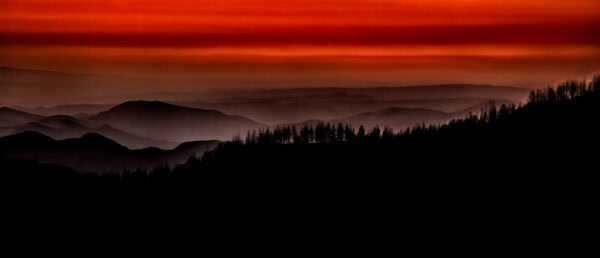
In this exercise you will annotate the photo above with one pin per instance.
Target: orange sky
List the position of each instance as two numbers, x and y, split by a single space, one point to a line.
193 16
305 43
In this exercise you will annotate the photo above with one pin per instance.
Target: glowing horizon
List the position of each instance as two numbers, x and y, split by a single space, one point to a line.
307 42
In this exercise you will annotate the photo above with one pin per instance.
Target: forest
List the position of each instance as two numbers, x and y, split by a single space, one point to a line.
553 135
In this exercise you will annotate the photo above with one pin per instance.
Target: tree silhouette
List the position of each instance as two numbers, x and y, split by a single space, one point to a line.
375 133
340 133
554 123
361 135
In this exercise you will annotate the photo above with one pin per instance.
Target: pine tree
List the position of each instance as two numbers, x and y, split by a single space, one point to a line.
340 132
349 133
375 133
361 133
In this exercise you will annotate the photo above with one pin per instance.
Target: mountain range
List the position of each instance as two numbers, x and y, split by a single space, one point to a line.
94 153
400 118
62 127
11 117
293 105
159 120
142 124
145 134
135 124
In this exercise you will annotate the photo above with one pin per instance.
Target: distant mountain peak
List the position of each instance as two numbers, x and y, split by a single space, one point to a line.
61 117
144 102
173 123
147 104
157 106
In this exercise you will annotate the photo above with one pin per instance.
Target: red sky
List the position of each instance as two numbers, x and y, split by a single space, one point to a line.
208 44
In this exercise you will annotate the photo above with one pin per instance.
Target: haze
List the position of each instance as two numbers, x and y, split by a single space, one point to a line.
107 51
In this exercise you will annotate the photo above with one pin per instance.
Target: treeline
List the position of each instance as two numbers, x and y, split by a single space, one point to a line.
565 91
321 133
345 133
496 140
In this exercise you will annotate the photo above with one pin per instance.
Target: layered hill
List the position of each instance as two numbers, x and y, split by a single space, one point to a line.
12 117
401 118
63 127
135 124
94 152
159 120
397 117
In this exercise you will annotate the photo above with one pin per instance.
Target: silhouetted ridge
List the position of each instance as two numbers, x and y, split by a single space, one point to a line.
397 110
64 127
63 121
143 104
26 138
12 117
164 112
98 140
156 106
173 123
93 152
34 126
60 117
194 144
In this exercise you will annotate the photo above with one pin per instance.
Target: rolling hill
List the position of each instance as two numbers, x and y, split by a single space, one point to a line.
62 127
291 105
399 93
12 117
159 120
397 118
402 118
94 152
72 110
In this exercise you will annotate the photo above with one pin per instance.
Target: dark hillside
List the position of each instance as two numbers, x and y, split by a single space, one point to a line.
549 142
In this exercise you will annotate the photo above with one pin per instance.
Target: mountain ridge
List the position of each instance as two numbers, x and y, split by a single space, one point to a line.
64 126
177 123
12 117
94 152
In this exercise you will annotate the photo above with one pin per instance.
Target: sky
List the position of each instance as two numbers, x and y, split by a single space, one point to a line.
194 45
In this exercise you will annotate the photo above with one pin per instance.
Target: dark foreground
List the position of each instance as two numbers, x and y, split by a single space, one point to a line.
512 179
